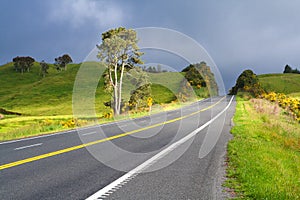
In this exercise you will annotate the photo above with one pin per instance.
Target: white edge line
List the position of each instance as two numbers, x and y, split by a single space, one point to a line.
85 128
147 163
90 133
28 146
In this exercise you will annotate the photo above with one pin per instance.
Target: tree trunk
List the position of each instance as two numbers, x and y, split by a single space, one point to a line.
115 107
116 88
120 88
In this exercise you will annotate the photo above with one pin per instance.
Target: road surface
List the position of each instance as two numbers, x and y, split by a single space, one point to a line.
160 152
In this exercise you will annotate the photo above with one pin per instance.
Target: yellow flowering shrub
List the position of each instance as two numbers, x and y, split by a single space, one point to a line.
292 105
71 123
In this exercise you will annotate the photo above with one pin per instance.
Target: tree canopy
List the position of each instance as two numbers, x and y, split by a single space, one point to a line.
247 82
119 51
22 64
139 80
288 69
44 68
200 75
62 61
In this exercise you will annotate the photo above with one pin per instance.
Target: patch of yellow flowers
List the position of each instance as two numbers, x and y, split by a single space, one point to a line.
71 123
292 105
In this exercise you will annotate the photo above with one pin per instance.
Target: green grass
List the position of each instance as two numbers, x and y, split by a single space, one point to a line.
264 155
165 86
280 83
50 98
29 94
295 95
13 127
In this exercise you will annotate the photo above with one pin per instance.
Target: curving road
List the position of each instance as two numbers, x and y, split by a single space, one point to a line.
154 157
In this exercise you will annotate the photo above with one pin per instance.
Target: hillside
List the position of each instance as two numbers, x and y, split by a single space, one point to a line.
30 94
46 103
281 83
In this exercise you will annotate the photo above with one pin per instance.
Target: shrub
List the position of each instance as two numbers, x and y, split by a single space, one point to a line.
247 82
291 105
71 123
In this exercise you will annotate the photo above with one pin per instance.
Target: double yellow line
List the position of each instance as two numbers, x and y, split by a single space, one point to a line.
54 153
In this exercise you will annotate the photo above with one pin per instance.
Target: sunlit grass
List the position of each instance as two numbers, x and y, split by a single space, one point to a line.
15 127
280 83
264 155
50 98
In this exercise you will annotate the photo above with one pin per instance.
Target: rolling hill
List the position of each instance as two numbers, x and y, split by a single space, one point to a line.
45 104
281 83
32 95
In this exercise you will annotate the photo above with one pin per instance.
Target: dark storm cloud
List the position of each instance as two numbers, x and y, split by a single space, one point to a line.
263 35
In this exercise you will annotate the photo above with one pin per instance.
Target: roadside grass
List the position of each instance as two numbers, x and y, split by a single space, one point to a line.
264 155
280 83
16 127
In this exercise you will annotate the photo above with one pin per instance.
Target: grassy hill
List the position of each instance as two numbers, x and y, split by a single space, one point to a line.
30 94
46 103
281 83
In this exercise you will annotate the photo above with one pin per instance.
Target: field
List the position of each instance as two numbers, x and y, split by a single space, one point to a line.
264 156
280 83
46 103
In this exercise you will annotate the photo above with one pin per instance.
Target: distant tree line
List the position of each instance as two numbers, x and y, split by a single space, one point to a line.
152 69
288 69
24 63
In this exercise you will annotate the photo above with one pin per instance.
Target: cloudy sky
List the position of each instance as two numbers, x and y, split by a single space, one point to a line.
263 35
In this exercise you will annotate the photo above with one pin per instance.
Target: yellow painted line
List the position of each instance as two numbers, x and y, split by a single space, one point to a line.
54 153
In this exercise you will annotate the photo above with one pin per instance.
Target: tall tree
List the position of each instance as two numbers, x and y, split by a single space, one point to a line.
44 68
61 62
119 51
287 69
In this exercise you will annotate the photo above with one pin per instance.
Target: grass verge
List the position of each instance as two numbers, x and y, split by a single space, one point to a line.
264 156
16 127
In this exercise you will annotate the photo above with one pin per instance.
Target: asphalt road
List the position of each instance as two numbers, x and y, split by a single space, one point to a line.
59 166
